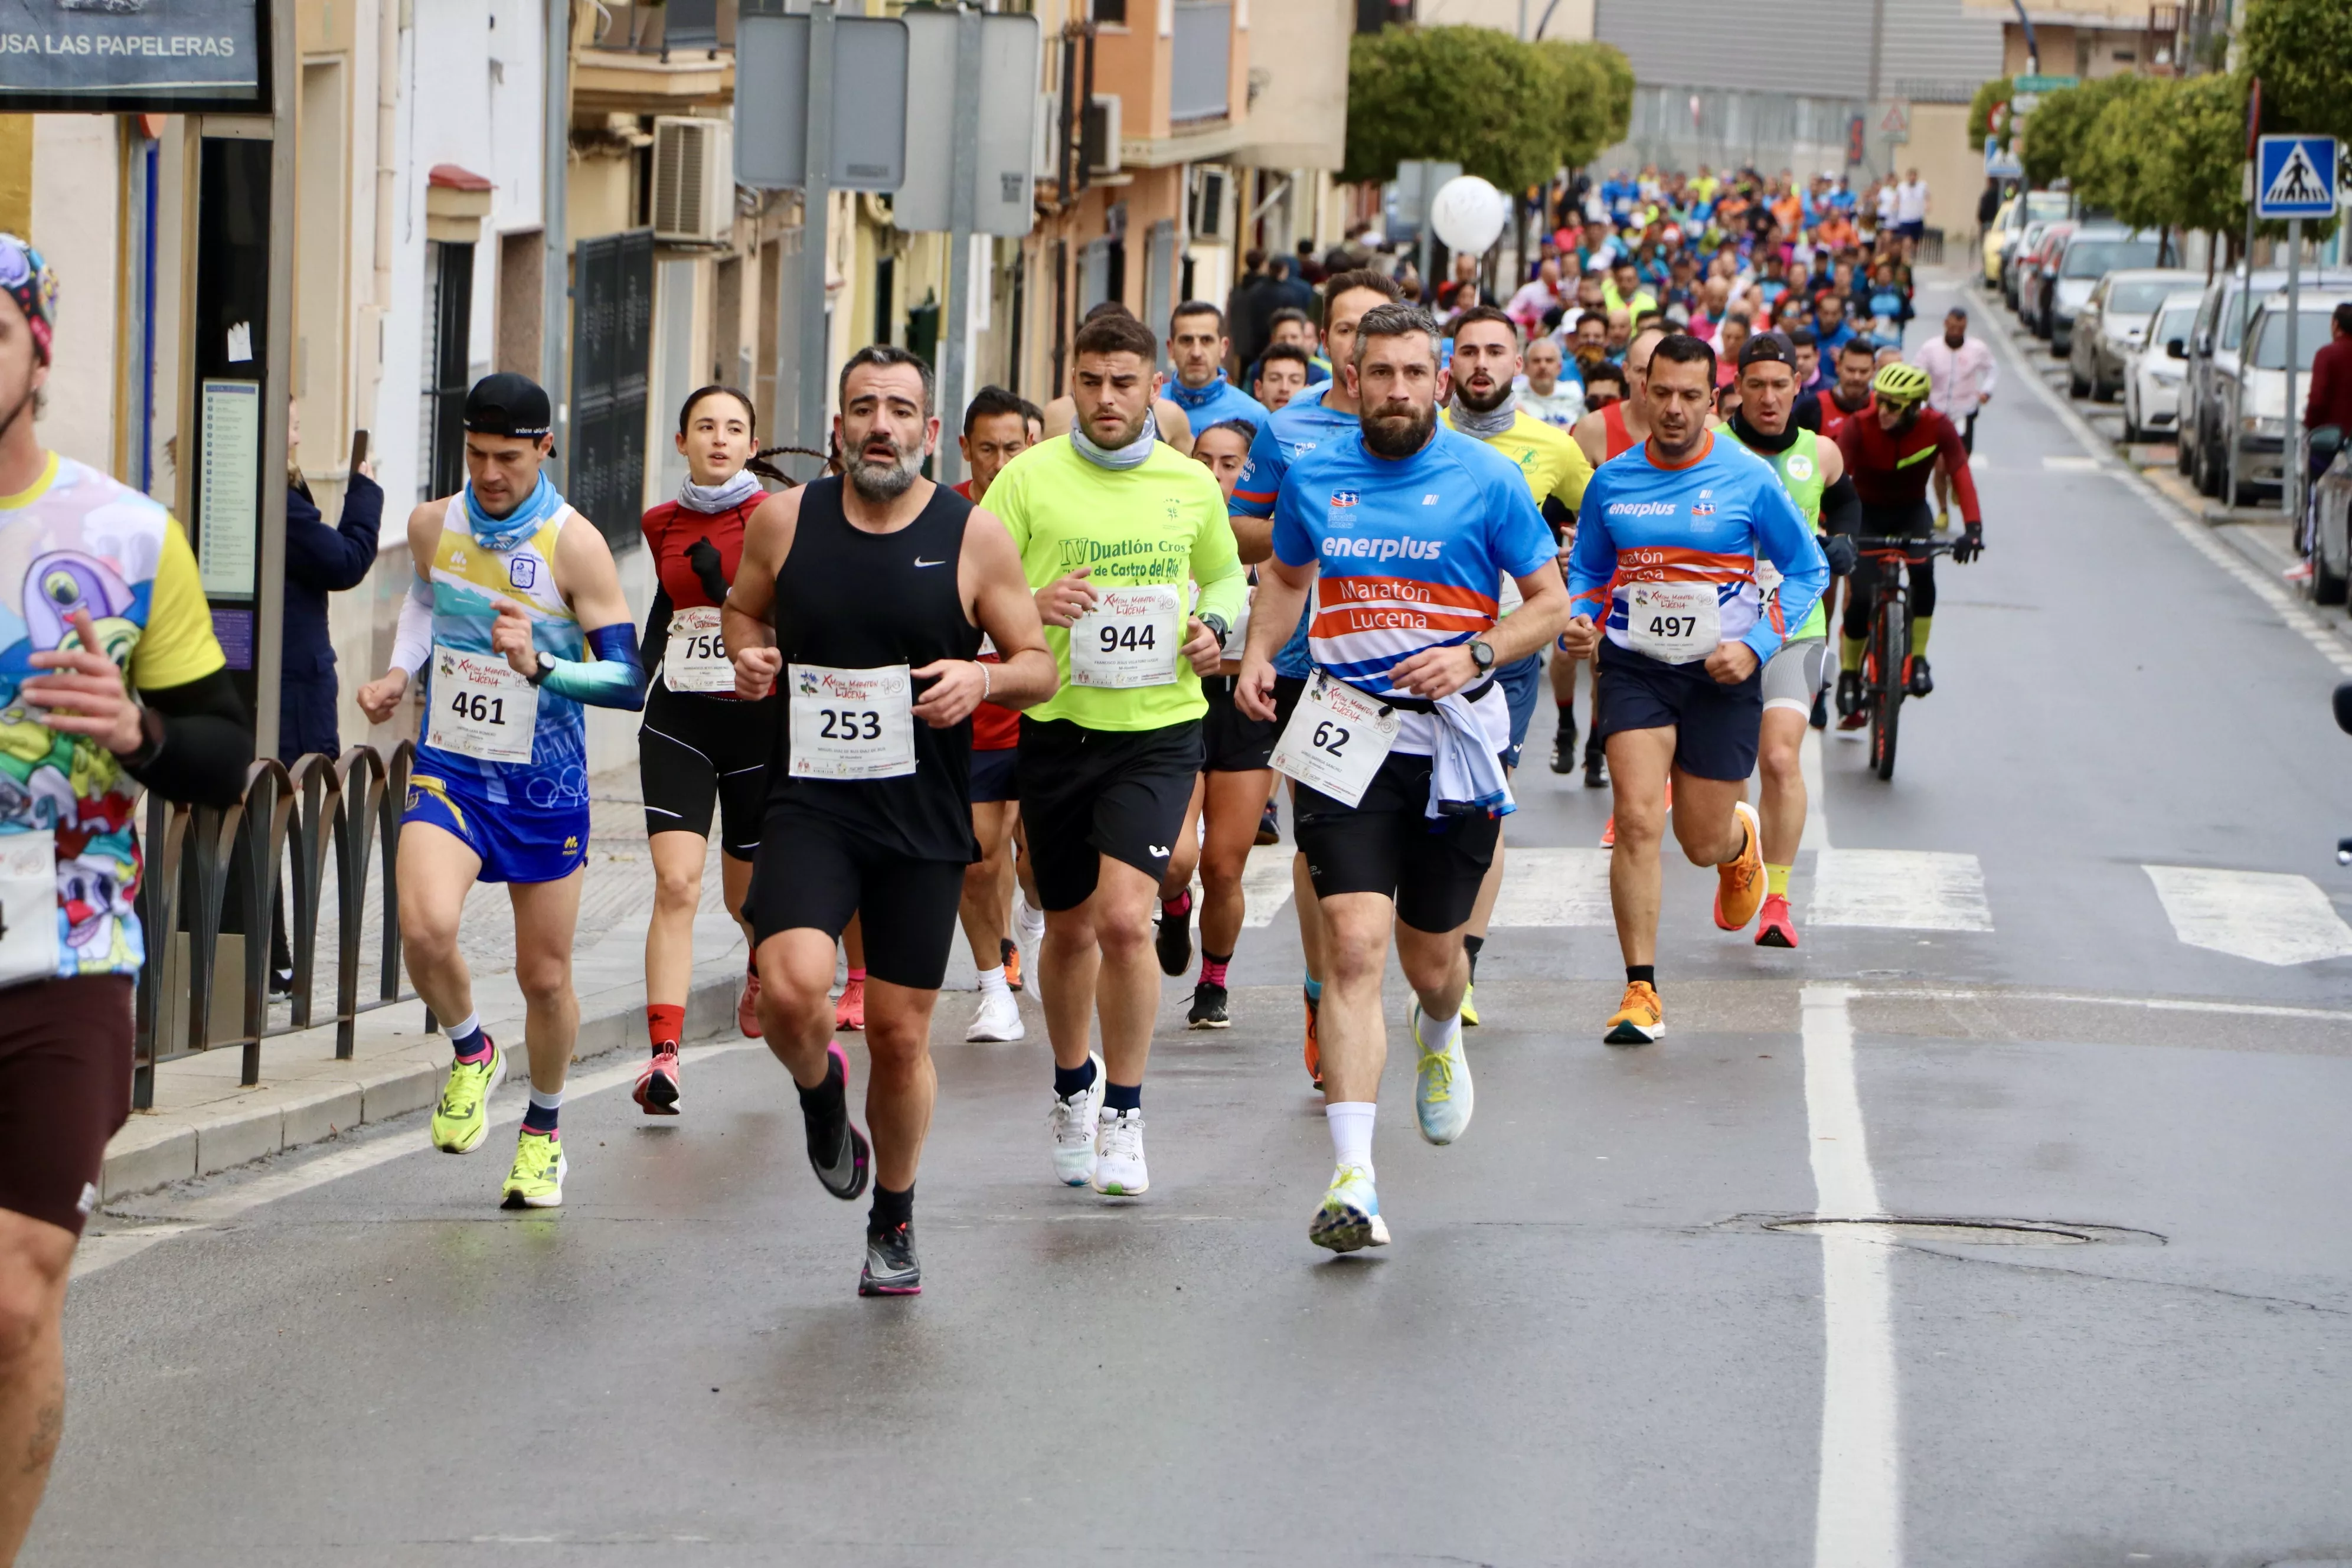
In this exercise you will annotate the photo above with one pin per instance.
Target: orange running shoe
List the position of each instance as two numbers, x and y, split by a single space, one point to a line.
1773 926
1640 1019
849 1011
747 1007
1314 1052
1011 953
1608 832
1739 881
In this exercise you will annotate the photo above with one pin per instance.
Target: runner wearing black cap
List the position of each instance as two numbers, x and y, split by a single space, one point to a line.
518 609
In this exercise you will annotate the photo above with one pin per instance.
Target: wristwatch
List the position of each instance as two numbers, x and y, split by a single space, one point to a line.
1482 654
546 667
1215 623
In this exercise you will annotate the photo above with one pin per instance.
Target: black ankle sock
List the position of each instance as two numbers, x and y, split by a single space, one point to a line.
1068 1081
1646 972
891 1210
1471 944
1567 714
1122 1097
827 1100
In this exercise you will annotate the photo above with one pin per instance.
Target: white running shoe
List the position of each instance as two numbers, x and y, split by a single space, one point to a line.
999 1018
1119 1155
1029 935
1442 1097
1349 1217
1071 1124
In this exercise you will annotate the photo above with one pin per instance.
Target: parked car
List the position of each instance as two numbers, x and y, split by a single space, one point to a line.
2331 530
2213 346
2112 322
1995 241
2090 254
2033 272
2253 412
2019 232
2152 373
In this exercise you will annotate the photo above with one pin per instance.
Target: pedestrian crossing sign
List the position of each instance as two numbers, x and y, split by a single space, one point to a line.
2294 176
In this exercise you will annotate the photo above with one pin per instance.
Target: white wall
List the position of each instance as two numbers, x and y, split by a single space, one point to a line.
75 172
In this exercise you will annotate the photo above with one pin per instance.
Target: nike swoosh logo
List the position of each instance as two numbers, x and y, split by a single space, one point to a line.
920 561
1157 852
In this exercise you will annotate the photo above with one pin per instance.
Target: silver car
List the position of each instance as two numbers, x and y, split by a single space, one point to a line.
2091 253
2152 374
2112 323
2213 345
2254 406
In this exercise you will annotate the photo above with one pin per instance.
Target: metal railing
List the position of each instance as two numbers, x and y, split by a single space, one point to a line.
685 27
213 870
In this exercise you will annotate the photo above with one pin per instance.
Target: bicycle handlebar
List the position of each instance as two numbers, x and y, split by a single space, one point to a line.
1914 547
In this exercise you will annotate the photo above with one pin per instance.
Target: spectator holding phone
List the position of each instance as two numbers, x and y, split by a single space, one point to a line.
319 561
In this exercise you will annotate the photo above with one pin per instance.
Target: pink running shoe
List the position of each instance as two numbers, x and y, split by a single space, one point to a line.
849 1011
747 1007
656 1091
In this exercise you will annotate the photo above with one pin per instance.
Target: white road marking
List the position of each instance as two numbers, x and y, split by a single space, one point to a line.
2152 1004
103 1252
1550 887
2066 463
1817 795
1858 1510
1900 890
2267 916
1266 884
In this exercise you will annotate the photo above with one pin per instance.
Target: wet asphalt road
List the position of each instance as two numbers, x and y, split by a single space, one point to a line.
1586 1346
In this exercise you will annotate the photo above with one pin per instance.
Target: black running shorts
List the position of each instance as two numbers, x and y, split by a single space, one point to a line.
812 872
695 753
1384 845
993 775
64 1090
1230 741
1087 793
1716 726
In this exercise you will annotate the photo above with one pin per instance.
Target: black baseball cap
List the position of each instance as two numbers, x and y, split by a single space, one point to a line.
1767 348
509 403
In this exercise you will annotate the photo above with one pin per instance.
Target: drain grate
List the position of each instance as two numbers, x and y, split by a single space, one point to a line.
1966 1232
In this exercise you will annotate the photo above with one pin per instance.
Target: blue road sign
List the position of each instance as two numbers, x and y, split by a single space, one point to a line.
2294 176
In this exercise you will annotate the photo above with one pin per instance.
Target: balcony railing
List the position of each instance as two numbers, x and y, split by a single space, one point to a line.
1202 67
681 26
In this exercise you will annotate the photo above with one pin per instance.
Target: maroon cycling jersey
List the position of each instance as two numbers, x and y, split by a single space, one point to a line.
1891 468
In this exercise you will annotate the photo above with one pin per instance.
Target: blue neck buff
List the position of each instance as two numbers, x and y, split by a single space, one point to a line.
1192 399
1131 455
503 533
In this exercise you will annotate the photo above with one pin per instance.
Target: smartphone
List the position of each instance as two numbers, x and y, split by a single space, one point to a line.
359 449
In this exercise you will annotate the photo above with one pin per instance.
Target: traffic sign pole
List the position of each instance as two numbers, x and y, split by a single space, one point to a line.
2291 460
816 210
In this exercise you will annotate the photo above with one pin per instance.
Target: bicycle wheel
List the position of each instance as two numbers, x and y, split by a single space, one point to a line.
1894 642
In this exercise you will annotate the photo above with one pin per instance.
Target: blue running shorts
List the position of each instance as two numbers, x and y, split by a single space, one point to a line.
517 843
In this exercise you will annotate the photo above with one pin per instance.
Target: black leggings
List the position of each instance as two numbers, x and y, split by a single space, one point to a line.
1891 523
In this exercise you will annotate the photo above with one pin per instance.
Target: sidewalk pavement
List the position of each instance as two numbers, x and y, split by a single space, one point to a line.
203 1120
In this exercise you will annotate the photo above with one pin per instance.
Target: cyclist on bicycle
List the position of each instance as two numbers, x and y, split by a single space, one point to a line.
1890 451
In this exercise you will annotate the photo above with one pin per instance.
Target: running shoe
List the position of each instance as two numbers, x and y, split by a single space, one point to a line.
1028 924
1269 825
838 1153
1174 941
462 1118
1009 955
1596 769
890 1266
998 1019
1470 1006
1313 1050
1442 1097
1609 832
1915 678
1774 928
1739 881
1639 1019
1119 1155
1944 519
1072 1124
656 1091
849 1011
1564 750
1851 715
1208 1008
1348 1218
747 1007
536 1181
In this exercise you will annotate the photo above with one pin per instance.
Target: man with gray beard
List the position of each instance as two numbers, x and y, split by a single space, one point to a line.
866 597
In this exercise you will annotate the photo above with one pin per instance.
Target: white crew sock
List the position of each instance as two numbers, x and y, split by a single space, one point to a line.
1438 1035
459 1031
991 983
1351 1121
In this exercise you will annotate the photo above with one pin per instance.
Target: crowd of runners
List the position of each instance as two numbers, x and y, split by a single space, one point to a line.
1053 708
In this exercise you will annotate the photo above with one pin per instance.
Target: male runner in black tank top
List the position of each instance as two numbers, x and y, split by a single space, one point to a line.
865 599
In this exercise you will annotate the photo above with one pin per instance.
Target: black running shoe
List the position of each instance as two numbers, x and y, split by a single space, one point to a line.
1208 1008
1564 750
1596 773
1175 940
1849 693
1821 715
1269 827
890 1266
837 1152
1915 678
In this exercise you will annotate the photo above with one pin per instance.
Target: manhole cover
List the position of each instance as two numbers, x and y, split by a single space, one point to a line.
1953 1232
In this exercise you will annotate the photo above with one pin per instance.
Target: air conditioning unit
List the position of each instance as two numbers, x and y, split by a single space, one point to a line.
1211 188
1045 161
694 181
1098 137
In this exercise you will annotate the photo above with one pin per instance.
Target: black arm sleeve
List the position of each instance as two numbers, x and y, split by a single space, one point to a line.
207 746
656 640
1841 507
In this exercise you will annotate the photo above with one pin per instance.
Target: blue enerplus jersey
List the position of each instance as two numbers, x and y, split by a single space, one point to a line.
1409 553
1706 522
1214 404
1289 432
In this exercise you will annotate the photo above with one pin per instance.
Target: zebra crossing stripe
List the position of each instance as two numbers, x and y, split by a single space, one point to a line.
1553 887
2267 916
1899 889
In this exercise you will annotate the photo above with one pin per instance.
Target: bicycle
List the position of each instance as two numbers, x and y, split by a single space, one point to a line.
1889 647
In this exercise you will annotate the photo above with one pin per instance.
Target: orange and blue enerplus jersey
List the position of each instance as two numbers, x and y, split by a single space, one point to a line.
1409 553
1289 432
1708 521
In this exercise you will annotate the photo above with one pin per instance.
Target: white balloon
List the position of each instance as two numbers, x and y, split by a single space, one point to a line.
1468 214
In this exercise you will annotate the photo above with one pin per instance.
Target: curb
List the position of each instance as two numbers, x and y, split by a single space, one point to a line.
152 1152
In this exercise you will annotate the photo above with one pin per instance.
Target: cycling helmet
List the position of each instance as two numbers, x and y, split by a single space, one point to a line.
1900 383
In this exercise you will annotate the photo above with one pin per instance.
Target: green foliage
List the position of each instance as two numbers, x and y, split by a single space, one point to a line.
2302 52
1998 90
2055 131
2122 158
1510 112
2204 124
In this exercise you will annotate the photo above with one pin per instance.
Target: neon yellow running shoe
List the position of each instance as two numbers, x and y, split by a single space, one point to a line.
462 1117
537 1180
1470 1006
